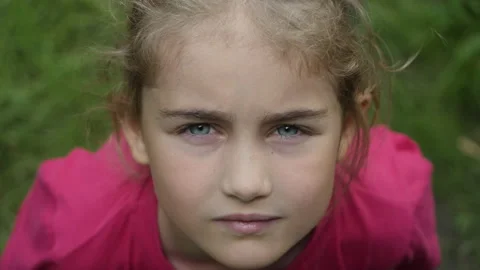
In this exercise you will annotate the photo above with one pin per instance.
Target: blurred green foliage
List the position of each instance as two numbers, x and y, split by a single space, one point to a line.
50 82
437 102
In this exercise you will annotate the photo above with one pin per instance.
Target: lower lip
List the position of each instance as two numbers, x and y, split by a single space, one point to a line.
248 227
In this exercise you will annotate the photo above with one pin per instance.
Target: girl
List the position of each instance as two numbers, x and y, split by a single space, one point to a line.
243 146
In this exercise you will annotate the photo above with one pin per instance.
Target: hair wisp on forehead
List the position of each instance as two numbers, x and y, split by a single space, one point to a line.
318 30
331 36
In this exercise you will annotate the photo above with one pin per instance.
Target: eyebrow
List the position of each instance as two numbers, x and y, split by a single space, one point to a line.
197 114
295 115
219 116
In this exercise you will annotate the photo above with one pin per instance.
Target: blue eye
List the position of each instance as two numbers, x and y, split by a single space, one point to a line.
199 129
288 130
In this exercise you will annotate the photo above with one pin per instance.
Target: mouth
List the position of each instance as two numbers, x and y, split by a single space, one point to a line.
250 224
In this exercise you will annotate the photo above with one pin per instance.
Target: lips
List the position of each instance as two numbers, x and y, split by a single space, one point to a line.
247 218
250 224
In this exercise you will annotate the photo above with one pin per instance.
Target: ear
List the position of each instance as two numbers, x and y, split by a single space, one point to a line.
364 100
134 137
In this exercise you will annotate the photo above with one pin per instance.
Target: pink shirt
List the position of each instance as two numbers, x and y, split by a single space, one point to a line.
98 211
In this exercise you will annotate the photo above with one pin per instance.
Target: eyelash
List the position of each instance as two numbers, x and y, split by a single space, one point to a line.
301 130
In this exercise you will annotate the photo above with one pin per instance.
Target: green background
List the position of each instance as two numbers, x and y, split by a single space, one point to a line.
52 85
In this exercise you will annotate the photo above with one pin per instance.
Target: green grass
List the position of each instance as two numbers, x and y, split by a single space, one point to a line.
51 79
436 101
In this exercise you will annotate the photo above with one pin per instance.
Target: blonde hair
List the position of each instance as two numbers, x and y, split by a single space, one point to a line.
314 35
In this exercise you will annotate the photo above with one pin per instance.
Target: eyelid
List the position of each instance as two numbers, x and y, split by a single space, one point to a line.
184 128
302 129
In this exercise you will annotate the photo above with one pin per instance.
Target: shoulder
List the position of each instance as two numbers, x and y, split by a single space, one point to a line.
85 175
392 185
91 189
73 201
376 220
396 169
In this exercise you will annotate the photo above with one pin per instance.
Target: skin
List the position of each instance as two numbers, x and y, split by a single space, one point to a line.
261 140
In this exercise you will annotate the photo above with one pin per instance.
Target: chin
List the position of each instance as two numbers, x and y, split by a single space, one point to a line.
248 264
249 258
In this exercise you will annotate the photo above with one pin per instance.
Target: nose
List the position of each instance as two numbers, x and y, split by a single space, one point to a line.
247 177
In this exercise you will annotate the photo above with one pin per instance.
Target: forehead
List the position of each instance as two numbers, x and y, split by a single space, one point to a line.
219 70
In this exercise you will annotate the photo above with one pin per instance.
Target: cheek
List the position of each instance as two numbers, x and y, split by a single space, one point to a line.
307 181
182 181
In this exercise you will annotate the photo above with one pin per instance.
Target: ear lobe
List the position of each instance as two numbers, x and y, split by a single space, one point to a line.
136 143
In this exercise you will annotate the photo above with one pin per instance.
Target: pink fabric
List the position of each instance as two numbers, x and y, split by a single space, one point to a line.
98 211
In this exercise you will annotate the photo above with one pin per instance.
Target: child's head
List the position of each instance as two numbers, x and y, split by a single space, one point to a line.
242 108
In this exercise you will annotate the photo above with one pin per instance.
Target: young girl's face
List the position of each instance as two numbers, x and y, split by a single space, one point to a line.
242 152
